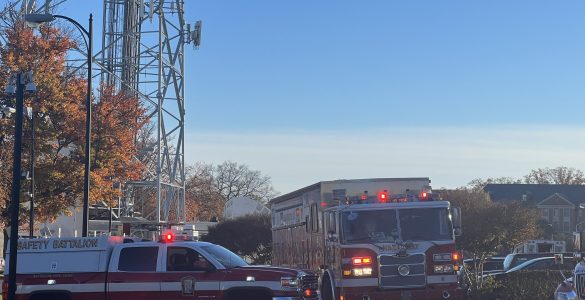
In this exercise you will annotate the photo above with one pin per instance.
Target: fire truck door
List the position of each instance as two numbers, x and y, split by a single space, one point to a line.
189 274
133 274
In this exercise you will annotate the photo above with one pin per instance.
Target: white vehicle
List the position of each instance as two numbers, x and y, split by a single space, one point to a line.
541 246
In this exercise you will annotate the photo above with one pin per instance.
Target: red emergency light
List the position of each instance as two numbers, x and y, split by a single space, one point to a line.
383 196
358 261
424 196
364 197
168 237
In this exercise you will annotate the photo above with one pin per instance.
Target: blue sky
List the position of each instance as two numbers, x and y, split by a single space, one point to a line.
310 90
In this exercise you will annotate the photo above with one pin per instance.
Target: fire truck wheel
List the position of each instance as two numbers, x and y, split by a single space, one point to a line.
326 292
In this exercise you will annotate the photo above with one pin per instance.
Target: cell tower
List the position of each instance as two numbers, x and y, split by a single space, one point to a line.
143 54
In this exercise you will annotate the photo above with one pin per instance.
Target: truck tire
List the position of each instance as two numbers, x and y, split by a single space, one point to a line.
248 293
326 290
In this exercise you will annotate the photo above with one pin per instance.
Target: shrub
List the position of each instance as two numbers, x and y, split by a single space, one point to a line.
522 285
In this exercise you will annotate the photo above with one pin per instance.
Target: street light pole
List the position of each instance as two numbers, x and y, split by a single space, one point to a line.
15 200
34 20
87 130
32 172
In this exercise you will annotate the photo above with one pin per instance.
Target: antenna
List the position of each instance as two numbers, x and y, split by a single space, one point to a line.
151 11
188 33
197 34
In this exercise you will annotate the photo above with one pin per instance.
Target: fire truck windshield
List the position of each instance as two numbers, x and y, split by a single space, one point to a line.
227 258
389 225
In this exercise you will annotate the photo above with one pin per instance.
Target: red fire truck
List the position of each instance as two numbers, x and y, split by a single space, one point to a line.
383 238
116 268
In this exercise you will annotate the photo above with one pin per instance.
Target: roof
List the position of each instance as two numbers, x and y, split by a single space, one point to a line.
318 185
535 193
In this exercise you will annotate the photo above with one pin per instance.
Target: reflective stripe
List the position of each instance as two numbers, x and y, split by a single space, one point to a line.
149 286
441 279
74 288
357 282
287 298
199 286
134 287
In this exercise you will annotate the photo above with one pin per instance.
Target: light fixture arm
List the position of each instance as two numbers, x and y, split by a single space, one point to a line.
76 24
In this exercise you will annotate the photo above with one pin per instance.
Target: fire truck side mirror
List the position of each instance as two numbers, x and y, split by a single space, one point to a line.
331 237
456 219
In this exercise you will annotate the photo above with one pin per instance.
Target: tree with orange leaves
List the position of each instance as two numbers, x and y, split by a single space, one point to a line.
59 107
117 118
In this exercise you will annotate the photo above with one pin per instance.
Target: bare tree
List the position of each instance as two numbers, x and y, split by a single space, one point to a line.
478 184
558 175
209 187
203 200
234 180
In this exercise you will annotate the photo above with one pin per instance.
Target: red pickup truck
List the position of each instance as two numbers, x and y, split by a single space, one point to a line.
116 268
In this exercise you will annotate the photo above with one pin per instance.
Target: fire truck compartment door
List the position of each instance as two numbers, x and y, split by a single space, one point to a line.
135 273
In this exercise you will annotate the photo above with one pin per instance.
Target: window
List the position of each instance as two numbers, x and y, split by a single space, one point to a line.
186 259
567 213
227 258
545 214
331 224
540 265
138 259
425 224
566 221
314 218
369 226
566 226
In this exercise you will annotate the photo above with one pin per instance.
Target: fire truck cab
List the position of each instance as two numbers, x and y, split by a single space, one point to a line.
370 239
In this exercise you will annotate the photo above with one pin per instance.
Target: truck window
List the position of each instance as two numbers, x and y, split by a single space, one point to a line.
138 259
186 259
314 218
331 224
227 258
425 224
372 226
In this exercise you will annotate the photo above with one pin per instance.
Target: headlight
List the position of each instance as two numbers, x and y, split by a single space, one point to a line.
443 269
291 282
362 271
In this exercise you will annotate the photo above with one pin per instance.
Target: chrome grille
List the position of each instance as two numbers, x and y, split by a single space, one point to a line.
309 282
390 277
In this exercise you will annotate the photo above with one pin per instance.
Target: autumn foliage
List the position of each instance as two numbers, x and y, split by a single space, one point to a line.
59 110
